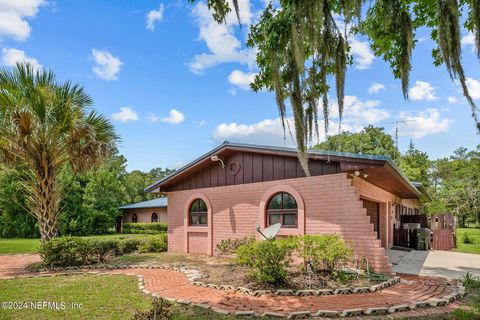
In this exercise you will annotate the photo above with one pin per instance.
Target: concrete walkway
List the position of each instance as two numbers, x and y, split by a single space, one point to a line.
447 264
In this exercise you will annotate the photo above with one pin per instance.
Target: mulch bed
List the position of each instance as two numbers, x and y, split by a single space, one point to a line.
237 276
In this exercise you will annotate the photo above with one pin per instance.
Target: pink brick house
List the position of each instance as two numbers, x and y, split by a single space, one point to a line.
229 190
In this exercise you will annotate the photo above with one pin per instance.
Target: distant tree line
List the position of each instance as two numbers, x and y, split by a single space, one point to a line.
453 182
90 200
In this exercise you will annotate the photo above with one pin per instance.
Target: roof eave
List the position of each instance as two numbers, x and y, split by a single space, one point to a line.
286 151
392 167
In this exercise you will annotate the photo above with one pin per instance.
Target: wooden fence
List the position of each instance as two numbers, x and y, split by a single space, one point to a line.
443 232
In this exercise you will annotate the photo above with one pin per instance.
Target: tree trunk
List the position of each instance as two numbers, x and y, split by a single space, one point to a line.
46 197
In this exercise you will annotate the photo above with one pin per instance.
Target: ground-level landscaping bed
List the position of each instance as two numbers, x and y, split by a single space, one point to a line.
221 271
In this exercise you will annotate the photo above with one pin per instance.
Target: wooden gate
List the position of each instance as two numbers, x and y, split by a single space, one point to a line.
443 232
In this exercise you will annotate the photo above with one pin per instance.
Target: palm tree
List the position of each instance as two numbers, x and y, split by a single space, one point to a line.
46 125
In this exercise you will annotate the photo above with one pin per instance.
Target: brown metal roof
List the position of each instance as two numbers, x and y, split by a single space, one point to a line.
381 171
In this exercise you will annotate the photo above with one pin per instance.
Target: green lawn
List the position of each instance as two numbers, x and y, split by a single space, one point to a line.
10 246
474 235
101 297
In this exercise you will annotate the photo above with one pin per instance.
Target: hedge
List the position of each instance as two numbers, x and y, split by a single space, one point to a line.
145 228
77 251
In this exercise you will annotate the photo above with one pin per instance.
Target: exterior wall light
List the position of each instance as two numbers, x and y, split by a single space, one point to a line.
215 158
361 172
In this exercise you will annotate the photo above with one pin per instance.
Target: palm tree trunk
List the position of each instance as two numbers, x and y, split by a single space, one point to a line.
45 200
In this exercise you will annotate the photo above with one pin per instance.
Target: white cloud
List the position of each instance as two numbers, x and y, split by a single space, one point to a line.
200 123
468 40
375 87
220 39
268 132
106 66
125 114
473 88
452 99
426 122
241 79
175 117
357 114
10 56
363 56
14 15
422 90
153 17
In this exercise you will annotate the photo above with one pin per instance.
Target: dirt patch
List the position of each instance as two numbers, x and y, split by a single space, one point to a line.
238 276
223 270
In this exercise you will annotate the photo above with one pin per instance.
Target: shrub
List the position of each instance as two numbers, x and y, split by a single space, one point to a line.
66 251
129 245
229 246
145 228
467 238
71 251
326 252
161 310
102 249
157 243
268 259
470 280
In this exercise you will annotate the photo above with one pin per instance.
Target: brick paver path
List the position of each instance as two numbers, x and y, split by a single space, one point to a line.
15 264
173 284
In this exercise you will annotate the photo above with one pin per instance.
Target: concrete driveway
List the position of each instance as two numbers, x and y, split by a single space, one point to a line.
447 264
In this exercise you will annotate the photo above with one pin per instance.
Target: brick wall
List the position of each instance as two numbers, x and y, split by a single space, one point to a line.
145 215
332 205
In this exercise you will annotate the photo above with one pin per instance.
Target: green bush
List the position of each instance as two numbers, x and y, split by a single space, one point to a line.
326 252
72 251
268 259
102 249
145 228
157 243
231 245
129 245
66 252
161 310
467 238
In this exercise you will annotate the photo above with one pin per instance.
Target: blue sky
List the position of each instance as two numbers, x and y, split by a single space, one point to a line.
175 84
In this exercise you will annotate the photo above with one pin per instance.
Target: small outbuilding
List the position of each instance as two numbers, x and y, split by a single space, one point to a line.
234 187
145 212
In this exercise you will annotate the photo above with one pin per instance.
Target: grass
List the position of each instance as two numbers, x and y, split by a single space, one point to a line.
101 297
474 235
16 245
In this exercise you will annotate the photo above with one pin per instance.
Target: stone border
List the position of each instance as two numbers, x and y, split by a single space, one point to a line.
255 293
373 311
193 274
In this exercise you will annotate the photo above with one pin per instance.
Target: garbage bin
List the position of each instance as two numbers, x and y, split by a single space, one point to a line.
423 239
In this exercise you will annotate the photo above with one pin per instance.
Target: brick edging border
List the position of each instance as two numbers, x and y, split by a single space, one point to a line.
373 311
193 274
255 293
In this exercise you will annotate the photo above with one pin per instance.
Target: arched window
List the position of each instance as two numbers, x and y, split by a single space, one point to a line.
154 217
198 213
134 217
282 208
